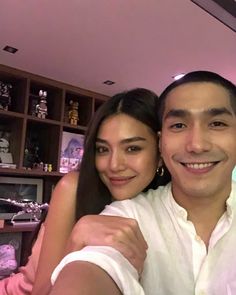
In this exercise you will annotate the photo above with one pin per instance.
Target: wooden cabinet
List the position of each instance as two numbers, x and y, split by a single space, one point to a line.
21 122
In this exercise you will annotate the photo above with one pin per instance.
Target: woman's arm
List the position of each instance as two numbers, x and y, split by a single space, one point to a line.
84 278
58 226
120 233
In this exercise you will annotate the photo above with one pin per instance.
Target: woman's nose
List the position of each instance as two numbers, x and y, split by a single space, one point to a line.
117 161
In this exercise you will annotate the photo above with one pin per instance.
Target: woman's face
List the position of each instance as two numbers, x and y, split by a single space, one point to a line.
126 155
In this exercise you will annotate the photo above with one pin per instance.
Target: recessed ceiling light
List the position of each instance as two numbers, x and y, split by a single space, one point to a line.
108 82
10 49
177 77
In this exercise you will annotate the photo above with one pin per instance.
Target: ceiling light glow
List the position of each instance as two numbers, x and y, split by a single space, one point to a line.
177 77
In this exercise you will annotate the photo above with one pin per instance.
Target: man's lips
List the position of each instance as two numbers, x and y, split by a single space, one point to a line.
202 167
199 165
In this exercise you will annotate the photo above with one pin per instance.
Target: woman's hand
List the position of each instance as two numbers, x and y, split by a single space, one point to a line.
123 234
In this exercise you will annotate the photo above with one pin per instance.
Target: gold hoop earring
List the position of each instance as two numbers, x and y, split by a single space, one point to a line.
160 171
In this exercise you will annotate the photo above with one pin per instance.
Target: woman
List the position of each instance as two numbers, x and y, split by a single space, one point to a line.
135 111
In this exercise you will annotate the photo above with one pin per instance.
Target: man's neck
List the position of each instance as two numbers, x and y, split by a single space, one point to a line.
205 219
204 213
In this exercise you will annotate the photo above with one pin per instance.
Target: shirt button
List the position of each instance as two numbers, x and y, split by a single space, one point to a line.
182 213
198 239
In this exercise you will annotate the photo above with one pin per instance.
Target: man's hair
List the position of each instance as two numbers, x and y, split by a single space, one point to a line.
197 76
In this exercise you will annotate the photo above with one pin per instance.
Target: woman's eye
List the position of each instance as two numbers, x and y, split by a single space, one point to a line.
101 149
134 148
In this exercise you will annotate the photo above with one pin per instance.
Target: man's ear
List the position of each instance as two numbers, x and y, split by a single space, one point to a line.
159 140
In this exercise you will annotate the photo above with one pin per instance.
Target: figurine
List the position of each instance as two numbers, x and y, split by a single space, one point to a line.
73 112
41 107
32 153
32 208
4 142
5 98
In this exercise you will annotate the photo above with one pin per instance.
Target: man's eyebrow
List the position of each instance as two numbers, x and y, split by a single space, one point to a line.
177 113
219 111
125 140
181 113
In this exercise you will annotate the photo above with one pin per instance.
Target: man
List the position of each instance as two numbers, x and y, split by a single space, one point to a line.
189 224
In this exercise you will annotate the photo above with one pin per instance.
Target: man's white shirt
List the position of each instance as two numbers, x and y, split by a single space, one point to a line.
177 261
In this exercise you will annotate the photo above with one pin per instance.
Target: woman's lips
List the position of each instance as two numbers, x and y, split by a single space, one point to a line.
120 180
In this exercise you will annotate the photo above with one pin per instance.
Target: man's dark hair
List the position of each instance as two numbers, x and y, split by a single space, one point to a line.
197 76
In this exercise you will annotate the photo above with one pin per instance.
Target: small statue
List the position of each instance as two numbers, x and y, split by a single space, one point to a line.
4 142
32 208
73 112
41 107
5 98
32 153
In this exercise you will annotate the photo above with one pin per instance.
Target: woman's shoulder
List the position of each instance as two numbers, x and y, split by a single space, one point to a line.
68 181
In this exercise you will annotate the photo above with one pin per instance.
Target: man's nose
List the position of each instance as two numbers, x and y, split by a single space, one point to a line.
198 140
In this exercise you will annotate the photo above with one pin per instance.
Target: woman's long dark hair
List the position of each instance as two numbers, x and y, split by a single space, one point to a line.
139 103
92 194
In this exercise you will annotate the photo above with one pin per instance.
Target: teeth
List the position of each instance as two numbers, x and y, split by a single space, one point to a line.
198 165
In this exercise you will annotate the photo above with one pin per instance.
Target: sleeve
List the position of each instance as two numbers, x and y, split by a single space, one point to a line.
22 282
110 260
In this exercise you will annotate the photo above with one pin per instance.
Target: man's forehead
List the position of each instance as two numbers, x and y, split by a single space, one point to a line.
198 96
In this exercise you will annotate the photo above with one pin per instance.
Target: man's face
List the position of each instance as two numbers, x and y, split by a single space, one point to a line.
198 140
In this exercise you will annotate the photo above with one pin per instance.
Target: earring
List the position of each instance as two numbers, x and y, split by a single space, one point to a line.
160 168
160 171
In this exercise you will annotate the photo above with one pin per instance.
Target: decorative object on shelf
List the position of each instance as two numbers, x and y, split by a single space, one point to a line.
5 155
49 167
32 106
5 97
73 112
45 167
32 151
8 261
34 209
41 107
72 149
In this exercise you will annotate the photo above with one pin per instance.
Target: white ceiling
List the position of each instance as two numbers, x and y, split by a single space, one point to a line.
136 43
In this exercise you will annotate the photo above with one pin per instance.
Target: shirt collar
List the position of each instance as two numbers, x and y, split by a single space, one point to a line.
181 212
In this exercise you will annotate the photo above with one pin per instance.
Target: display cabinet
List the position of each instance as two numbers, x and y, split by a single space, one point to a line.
32 138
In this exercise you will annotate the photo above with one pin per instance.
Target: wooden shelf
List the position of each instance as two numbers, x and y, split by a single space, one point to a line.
26 129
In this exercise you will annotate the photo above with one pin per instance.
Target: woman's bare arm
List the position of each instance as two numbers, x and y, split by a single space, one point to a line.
84 278
58 226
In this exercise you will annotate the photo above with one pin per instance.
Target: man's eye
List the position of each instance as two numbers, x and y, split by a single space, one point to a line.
177 126
218 124
133 148
101 149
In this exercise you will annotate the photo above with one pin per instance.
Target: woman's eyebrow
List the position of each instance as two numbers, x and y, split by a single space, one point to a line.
125 140
101 140
133 139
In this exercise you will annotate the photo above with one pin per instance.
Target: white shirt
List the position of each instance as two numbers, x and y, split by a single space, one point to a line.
177 260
